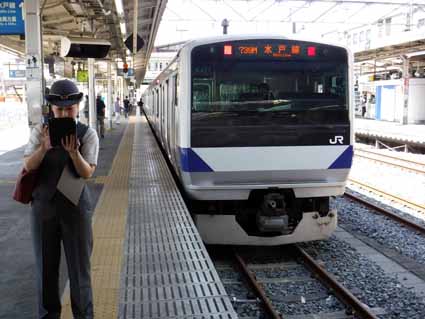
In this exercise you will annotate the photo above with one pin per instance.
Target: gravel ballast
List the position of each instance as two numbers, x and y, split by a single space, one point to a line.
367 280
385 231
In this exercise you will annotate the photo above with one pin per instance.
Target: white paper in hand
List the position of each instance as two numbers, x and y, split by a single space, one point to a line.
70 185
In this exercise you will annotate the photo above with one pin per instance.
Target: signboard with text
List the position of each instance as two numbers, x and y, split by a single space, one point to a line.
82 76
16 73
129 73
11 20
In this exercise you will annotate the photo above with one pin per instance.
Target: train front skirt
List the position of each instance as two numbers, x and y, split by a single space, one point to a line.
224 230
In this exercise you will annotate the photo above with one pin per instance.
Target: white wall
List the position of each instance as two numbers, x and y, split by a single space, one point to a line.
392 101
416 113
388 103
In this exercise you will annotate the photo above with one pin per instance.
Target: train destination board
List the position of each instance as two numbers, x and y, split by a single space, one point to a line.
269 50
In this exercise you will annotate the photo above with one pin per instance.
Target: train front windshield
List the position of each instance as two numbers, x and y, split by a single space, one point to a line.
268 93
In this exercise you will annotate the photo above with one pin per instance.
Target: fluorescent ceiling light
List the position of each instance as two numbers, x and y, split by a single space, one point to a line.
119 7
123 29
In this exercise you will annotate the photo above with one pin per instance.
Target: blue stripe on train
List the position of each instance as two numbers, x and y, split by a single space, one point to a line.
191 162
344 160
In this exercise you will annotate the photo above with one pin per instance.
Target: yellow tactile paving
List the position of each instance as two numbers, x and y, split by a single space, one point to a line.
109 233
100 179
7 181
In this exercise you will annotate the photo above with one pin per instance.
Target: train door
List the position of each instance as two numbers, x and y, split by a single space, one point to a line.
168 121
157 110
162 113
165 132
153 107
170 118
175 117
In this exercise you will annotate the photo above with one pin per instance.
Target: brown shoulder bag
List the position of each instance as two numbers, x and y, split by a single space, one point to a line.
25 185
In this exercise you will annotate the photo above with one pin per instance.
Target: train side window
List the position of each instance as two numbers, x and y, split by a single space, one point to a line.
176 89
163 106
157 103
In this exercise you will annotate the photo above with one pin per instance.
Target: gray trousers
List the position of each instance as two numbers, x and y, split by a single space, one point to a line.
101 125
52 222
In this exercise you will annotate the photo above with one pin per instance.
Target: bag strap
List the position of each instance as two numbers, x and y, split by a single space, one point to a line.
81 131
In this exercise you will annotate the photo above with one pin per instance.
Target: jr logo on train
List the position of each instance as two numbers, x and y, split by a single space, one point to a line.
337 140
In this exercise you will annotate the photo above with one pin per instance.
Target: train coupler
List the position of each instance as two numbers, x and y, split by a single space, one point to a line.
272 215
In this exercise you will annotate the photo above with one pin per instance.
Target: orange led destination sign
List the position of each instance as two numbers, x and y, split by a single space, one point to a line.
272 50
248 50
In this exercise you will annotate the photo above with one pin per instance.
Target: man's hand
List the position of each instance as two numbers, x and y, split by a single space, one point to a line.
71 144
45 139
33 161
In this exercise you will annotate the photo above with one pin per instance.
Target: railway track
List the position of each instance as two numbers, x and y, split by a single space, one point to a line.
354 307
403 201
387 213
405 164
400 239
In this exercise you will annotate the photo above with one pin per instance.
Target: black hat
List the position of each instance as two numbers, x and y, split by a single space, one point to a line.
64 93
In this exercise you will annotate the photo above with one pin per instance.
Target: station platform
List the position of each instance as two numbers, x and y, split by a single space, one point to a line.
17 263
410 134
148 259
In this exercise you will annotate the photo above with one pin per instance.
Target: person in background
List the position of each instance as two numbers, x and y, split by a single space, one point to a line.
117 108
55 220
364 101
140 104
126 106
100 112
130 109
264 92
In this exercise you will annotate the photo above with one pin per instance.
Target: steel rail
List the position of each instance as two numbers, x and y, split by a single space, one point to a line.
417 170
396 198
389 156
340 291
387 213
268 307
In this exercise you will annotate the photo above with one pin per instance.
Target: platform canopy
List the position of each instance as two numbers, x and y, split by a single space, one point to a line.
110 20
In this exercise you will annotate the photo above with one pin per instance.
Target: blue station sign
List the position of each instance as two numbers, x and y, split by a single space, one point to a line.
16 73
130 72
11 21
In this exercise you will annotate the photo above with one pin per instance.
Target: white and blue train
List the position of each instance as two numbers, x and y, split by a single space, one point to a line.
259 132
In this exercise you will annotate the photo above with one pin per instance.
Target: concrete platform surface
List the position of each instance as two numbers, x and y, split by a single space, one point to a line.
17 277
